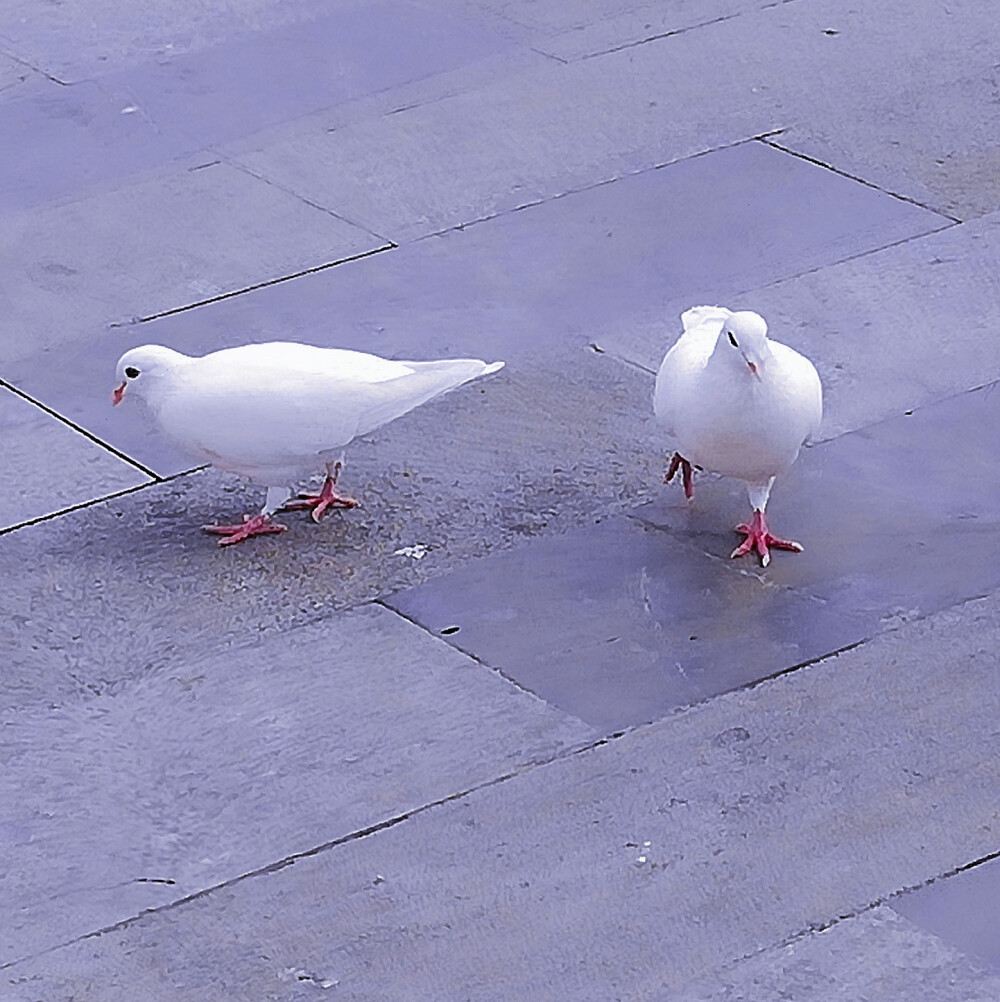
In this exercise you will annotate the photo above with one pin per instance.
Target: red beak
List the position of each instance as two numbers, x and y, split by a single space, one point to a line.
118 395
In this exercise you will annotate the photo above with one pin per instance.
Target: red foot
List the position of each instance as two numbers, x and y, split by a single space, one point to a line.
327 498
678 462
759 538
256 525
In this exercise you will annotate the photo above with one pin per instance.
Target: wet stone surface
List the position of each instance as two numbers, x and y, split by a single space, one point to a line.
963 910
619 625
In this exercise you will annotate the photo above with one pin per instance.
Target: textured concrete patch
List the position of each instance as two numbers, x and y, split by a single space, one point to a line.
876 956
626 871
46 466
938 144
208 769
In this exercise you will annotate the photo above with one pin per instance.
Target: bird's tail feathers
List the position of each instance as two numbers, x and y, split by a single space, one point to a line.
698 315
427 381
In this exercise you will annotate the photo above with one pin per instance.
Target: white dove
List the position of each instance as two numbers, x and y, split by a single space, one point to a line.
277 412
736 403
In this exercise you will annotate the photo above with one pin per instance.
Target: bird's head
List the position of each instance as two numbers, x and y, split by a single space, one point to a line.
141 370
743 342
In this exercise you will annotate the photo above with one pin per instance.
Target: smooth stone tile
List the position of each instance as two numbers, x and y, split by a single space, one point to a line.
630 25
757 816
208 769
898 519
111 591
46 466
359 49
938 145
552 18
534 136
618 625
76 42
13 75
560 273
156 245
963 909
890 331
876 956
73 141
565 127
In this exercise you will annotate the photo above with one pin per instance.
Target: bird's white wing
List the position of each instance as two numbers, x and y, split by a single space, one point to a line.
801 388
425 380
678 372
307 360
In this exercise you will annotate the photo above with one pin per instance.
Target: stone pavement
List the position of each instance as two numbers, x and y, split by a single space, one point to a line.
516 728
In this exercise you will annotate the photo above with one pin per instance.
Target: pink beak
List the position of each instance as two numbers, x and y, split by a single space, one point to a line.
753 369
118 395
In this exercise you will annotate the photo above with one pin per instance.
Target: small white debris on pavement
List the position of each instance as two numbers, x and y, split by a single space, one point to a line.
418 551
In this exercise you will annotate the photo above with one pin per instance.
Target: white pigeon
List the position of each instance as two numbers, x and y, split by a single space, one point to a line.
736 403
277 412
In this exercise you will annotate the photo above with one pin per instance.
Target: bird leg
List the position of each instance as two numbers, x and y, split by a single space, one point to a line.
759 538
252 525
678 462
326 498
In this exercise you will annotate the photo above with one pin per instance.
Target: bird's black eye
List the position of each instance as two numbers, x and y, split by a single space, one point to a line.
131 371
732 341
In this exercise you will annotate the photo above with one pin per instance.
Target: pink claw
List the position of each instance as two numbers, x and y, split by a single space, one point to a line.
759 538
678 462
255 525
319 503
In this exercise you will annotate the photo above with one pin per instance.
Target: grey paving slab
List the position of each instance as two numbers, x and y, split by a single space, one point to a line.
877 956
465 475
46 466
552 18
888 332
559 273
357 49
567 126
209 769
619 626
169 240
13 74
83 40
534 136
938 144
622 25
963 909
898 519
629 870
72 141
